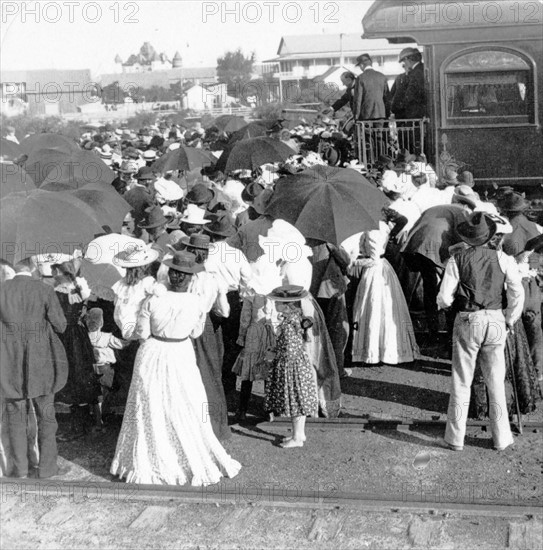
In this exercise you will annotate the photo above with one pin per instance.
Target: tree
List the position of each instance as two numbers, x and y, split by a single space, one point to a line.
234 70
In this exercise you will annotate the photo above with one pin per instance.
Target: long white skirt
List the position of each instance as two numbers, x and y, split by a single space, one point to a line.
385 331
166 436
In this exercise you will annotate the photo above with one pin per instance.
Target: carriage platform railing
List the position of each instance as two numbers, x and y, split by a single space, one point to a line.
376 138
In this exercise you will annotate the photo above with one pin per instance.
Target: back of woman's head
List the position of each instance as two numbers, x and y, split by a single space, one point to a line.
135 274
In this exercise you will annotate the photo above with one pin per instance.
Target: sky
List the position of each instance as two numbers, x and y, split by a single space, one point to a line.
87 35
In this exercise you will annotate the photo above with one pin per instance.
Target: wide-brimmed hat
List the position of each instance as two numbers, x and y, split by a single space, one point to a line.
407 52
197 240
222 225
200 194
194 215
252 191
136 256
185 262
261 202
513 202
464 194
168 189
288 293
477 230
145 173
154 217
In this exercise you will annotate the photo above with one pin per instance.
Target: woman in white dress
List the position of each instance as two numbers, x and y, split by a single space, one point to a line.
382 328
165 438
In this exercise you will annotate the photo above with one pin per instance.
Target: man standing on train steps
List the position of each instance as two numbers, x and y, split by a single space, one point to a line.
371 94
409 98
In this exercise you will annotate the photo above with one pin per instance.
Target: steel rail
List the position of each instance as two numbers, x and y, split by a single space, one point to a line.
382 423
251 494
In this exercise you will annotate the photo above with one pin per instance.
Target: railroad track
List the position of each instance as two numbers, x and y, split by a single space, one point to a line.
251 494
385 423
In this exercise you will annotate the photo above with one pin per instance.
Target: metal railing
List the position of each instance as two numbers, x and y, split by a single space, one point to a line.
388 137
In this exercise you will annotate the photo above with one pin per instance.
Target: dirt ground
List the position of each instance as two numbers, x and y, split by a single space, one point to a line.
405 464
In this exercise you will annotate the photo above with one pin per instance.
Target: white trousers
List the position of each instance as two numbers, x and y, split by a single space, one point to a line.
478 336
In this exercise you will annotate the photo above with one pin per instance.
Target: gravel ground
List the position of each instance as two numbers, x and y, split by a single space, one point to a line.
402 463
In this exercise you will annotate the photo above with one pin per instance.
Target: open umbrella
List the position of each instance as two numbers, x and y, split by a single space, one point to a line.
42 222
251 130
10 150
109 207
183 158
328 204
98 265
77 168
48 141
13 178
229 123
249 154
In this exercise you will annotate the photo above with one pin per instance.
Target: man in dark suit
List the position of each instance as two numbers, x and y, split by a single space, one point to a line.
33 366
348 80
409 99
371 94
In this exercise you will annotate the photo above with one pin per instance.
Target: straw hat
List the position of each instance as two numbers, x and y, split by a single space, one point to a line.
194 215
135 257
288 293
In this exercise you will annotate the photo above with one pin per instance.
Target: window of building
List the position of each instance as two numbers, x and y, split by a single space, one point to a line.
489 87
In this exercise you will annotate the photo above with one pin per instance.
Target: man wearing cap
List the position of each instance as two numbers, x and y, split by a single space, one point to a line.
473 284
371 94
514 206
139 197
409 97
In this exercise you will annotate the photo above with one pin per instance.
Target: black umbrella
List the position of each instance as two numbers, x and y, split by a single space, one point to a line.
251 130
183 158
328 204
109 207
13 178
48 141
229 123
77 168
43 222
249 154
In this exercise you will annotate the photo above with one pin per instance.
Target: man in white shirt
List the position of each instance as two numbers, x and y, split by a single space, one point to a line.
473 283
232 269
10 135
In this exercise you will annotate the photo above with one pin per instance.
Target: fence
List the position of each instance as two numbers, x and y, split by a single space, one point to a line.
388 137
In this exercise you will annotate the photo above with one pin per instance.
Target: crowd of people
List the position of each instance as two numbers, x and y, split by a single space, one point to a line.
212 292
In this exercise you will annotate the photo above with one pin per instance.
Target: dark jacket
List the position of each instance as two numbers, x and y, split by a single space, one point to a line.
33 360
371 96
434 232
139 199
346 99
397 95
414 101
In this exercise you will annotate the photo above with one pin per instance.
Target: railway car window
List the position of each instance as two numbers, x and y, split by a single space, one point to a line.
489 87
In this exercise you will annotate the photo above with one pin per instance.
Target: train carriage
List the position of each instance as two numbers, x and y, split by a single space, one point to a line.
483 71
